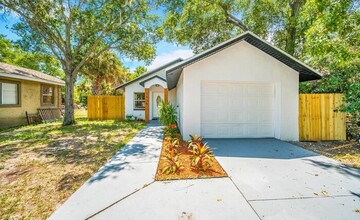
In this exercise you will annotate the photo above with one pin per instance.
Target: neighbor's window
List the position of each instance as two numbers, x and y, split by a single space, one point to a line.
139 100
9 93
47 95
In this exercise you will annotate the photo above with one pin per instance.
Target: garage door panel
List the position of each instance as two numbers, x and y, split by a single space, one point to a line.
252 130
266 130
209 116
237 110
267 90
252 117
223 130
266 103
237 103
209 130
266 117
253 90
209 102
237 90
252 103
223 117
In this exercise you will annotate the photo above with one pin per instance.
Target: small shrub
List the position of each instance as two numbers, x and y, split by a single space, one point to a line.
167 114
202 154
171 130
195 139
173 164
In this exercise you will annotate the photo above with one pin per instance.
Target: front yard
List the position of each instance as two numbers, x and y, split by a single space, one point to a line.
42 165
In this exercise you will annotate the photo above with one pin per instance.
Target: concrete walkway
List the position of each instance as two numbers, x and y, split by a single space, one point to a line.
131 169
269 179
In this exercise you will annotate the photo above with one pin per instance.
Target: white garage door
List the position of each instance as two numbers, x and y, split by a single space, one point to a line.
237 110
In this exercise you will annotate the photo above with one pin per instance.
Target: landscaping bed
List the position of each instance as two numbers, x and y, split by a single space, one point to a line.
189 164
346 152
42 165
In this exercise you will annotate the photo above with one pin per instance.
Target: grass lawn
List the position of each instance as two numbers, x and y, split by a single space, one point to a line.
42 165
346 152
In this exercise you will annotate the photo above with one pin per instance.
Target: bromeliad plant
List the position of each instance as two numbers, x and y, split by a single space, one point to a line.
172 156
201 154
196 139
173 165
172 159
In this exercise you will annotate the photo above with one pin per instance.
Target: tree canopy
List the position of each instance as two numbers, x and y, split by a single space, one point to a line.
105 73
77 31
323 33
12 53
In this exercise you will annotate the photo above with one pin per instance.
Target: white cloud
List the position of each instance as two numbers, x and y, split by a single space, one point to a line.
168 57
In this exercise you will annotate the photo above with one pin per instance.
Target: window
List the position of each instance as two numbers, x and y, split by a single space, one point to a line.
9 93
47 95
139 100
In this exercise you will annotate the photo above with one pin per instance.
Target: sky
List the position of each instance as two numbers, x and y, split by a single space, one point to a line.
165 51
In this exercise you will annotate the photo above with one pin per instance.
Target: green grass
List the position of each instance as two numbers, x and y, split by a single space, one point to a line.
42 165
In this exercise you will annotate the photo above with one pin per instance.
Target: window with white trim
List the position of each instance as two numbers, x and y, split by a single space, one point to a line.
9 93
139 100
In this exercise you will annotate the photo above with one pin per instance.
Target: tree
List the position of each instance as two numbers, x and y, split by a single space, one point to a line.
137 72
205 23
332 45
77 31
11 53
105 73
325 34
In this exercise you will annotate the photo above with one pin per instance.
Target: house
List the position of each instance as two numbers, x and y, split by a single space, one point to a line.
25 90
152 83
241 88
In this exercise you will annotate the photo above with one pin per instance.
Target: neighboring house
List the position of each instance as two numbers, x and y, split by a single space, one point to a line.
242 88
24 90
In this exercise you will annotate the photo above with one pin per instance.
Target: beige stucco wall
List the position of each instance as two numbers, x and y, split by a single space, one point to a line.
29 101
241 62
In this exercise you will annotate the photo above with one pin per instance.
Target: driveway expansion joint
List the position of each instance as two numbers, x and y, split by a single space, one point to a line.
116 202
295 198
247 201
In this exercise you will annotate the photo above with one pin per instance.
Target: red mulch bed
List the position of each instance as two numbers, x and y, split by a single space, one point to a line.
187 172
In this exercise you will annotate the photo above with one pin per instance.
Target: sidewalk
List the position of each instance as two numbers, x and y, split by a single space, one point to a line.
132 168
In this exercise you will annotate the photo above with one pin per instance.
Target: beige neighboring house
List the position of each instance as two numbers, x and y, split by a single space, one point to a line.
25 90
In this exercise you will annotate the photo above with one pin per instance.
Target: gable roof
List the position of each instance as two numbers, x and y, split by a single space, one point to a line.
306 72
16 72
150 72
142 83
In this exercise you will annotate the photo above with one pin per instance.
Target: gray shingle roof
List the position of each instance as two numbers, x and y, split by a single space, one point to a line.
11 71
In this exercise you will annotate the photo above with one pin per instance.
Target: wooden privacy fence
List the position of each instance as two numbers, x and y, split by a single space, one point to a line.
319 117
106 107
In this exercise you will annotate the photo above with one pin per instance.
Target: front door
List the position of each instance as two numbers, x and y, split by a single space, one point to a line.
156 101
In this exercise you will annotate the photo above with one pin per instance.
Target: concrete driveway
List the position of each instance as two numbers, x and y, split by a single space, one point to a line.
283 181
268 179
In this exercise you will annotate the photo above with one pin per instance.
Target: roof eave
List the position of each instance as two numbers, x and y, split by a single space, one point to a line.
142 83
12 76
149 73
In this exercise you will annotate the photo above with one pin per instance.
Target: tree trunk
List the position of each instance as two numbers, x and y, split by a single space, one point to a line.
69 99
291 28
